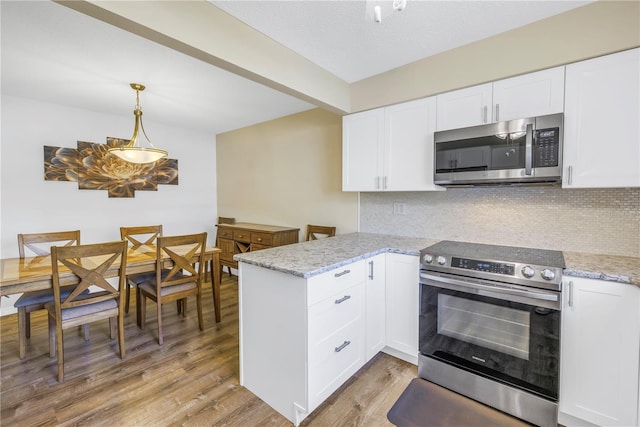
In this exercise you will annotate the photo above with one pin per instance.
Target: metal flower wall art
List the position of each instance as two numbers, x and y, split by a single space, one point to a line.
93 168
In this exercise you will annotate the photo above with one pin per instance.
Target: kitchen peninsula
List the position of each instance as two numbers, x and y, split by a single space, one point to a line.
313 313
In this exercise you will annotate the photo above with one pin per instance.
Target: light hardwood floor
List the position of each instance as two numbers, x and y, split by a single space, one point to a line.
191 380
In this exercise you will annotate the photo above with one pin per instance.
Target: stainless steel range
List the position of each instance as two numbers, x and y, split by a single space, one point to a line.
490 325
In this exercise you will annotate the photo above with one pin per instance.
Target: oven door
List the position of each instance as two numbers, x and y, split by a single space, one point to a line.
508 334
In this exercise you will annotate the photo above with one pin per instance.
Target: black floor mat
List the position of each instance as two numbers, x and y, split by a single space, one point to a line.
425 404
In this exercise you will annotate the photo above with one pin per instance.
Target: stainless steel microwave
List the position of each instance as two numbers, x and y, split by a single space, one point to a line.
523 151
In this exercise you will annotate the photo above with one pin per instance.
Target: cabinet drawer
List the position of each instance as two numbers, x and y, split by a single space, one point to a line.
331 314
225 233
334 359
262 238
242 236
332 282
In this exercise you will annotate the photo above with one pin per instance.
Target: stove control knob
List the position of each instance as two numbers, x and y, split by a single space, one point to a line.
547 274
441 260
427 258
528 272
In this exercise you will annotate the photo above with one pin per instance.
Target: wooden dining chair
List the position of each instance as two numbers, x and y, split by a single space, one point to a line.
137 238
39 245
314 232
90 265
184 279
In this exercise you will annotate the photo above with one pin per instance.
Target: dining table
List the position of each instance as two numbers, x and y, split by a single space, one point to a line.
19 275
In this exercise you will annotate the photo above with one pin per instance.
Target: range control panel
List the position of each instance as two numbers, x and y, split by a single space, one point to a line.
487 266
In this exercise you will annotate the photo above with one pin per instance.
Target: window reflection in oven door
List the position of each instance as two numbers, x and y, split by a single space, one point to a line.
491 335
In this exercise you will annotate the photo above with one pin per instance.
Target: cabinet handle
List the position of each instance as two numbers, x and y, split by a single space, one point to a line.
377 182
342 346
497 113
259 239
570 177
384 183
343 299
571 294
485 111
370 270
342 273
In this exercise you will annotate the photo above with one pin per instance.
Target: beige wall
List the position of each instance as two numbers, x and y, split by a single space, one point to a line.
585 32
286 172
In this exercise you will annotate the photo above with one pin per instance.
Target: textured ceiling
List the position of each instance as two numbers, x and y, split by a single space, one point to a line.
343 38
55 54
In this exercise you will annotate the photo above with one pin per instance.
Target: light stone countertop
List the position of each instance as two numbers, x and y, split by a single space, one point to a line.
623 269
308 259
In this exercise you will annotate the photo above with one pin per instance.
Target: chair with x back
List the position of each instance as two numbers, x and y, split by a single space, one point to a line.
142 238
38 248
183 280
91 266
314 232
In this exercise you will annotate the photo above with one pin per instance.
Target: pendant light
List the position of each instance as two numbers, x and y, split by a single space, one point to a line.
133 152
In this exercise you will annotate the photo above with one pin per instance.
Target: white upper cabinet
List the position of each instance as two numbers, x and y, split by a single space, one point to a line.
602 122
534 94
465 107
389 149
362 145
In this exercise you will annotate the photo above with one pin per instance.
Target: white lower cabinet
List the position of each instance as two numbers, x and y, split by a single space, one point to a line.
402 306
375 306
300 339
600 353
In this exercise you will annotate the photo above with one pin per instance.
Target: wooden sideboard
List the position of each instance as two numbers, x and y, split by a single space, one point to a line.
244 237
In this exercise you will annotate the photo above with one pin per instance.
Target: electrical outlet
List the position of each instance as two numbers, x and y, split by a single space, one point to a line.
399 208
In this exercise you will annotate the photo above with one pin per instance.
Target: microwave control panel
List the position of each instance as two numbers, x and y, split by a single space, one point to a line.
546 147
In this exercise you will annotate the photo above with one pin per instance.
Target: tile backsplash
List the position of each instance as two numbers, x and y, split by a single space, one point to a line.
601 221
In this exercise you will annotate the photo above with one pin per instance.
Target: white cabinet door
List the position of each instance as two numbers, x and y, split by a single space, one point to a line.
529 95
389 149
465 107
402 305
362 145
600 352
375 306
602 122
408 154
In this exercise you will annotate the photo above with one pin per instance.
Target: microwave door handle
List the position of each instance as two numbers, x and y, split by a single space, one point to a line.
528 157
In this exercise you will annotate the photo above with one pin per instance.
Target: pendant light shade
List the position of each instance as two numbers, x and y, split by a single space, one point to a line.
133 152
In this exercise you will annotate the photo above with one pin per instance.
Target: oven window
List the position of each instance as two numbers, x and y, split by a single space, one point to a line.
494 327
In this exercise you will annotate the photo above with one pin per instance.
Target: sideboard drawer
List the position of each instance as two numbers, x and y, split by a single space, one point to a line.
332 282
242 236
225 233
262 238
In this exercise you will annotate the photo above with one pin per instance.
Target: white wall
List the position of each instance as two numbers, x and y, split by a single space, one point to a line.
30 204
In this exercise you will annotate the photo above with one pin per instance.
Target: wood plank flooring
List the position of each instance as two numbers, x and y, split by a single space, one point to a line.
191 380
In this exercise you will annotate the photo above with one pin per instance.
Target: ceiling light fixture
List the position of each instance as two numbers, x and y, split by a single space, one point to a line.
399 5
133 152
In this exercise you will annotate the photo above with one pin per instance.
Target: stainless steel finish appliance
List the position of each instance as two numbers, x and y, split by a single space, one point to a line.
523 151
490 325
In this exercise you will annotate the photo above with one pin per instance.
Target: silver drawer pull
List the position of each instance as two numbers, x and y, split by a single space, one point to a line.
342 273
342 346
343 299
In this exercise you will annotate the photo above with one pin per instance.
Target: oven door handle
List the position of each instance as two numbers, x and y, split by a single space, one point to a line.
458 285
